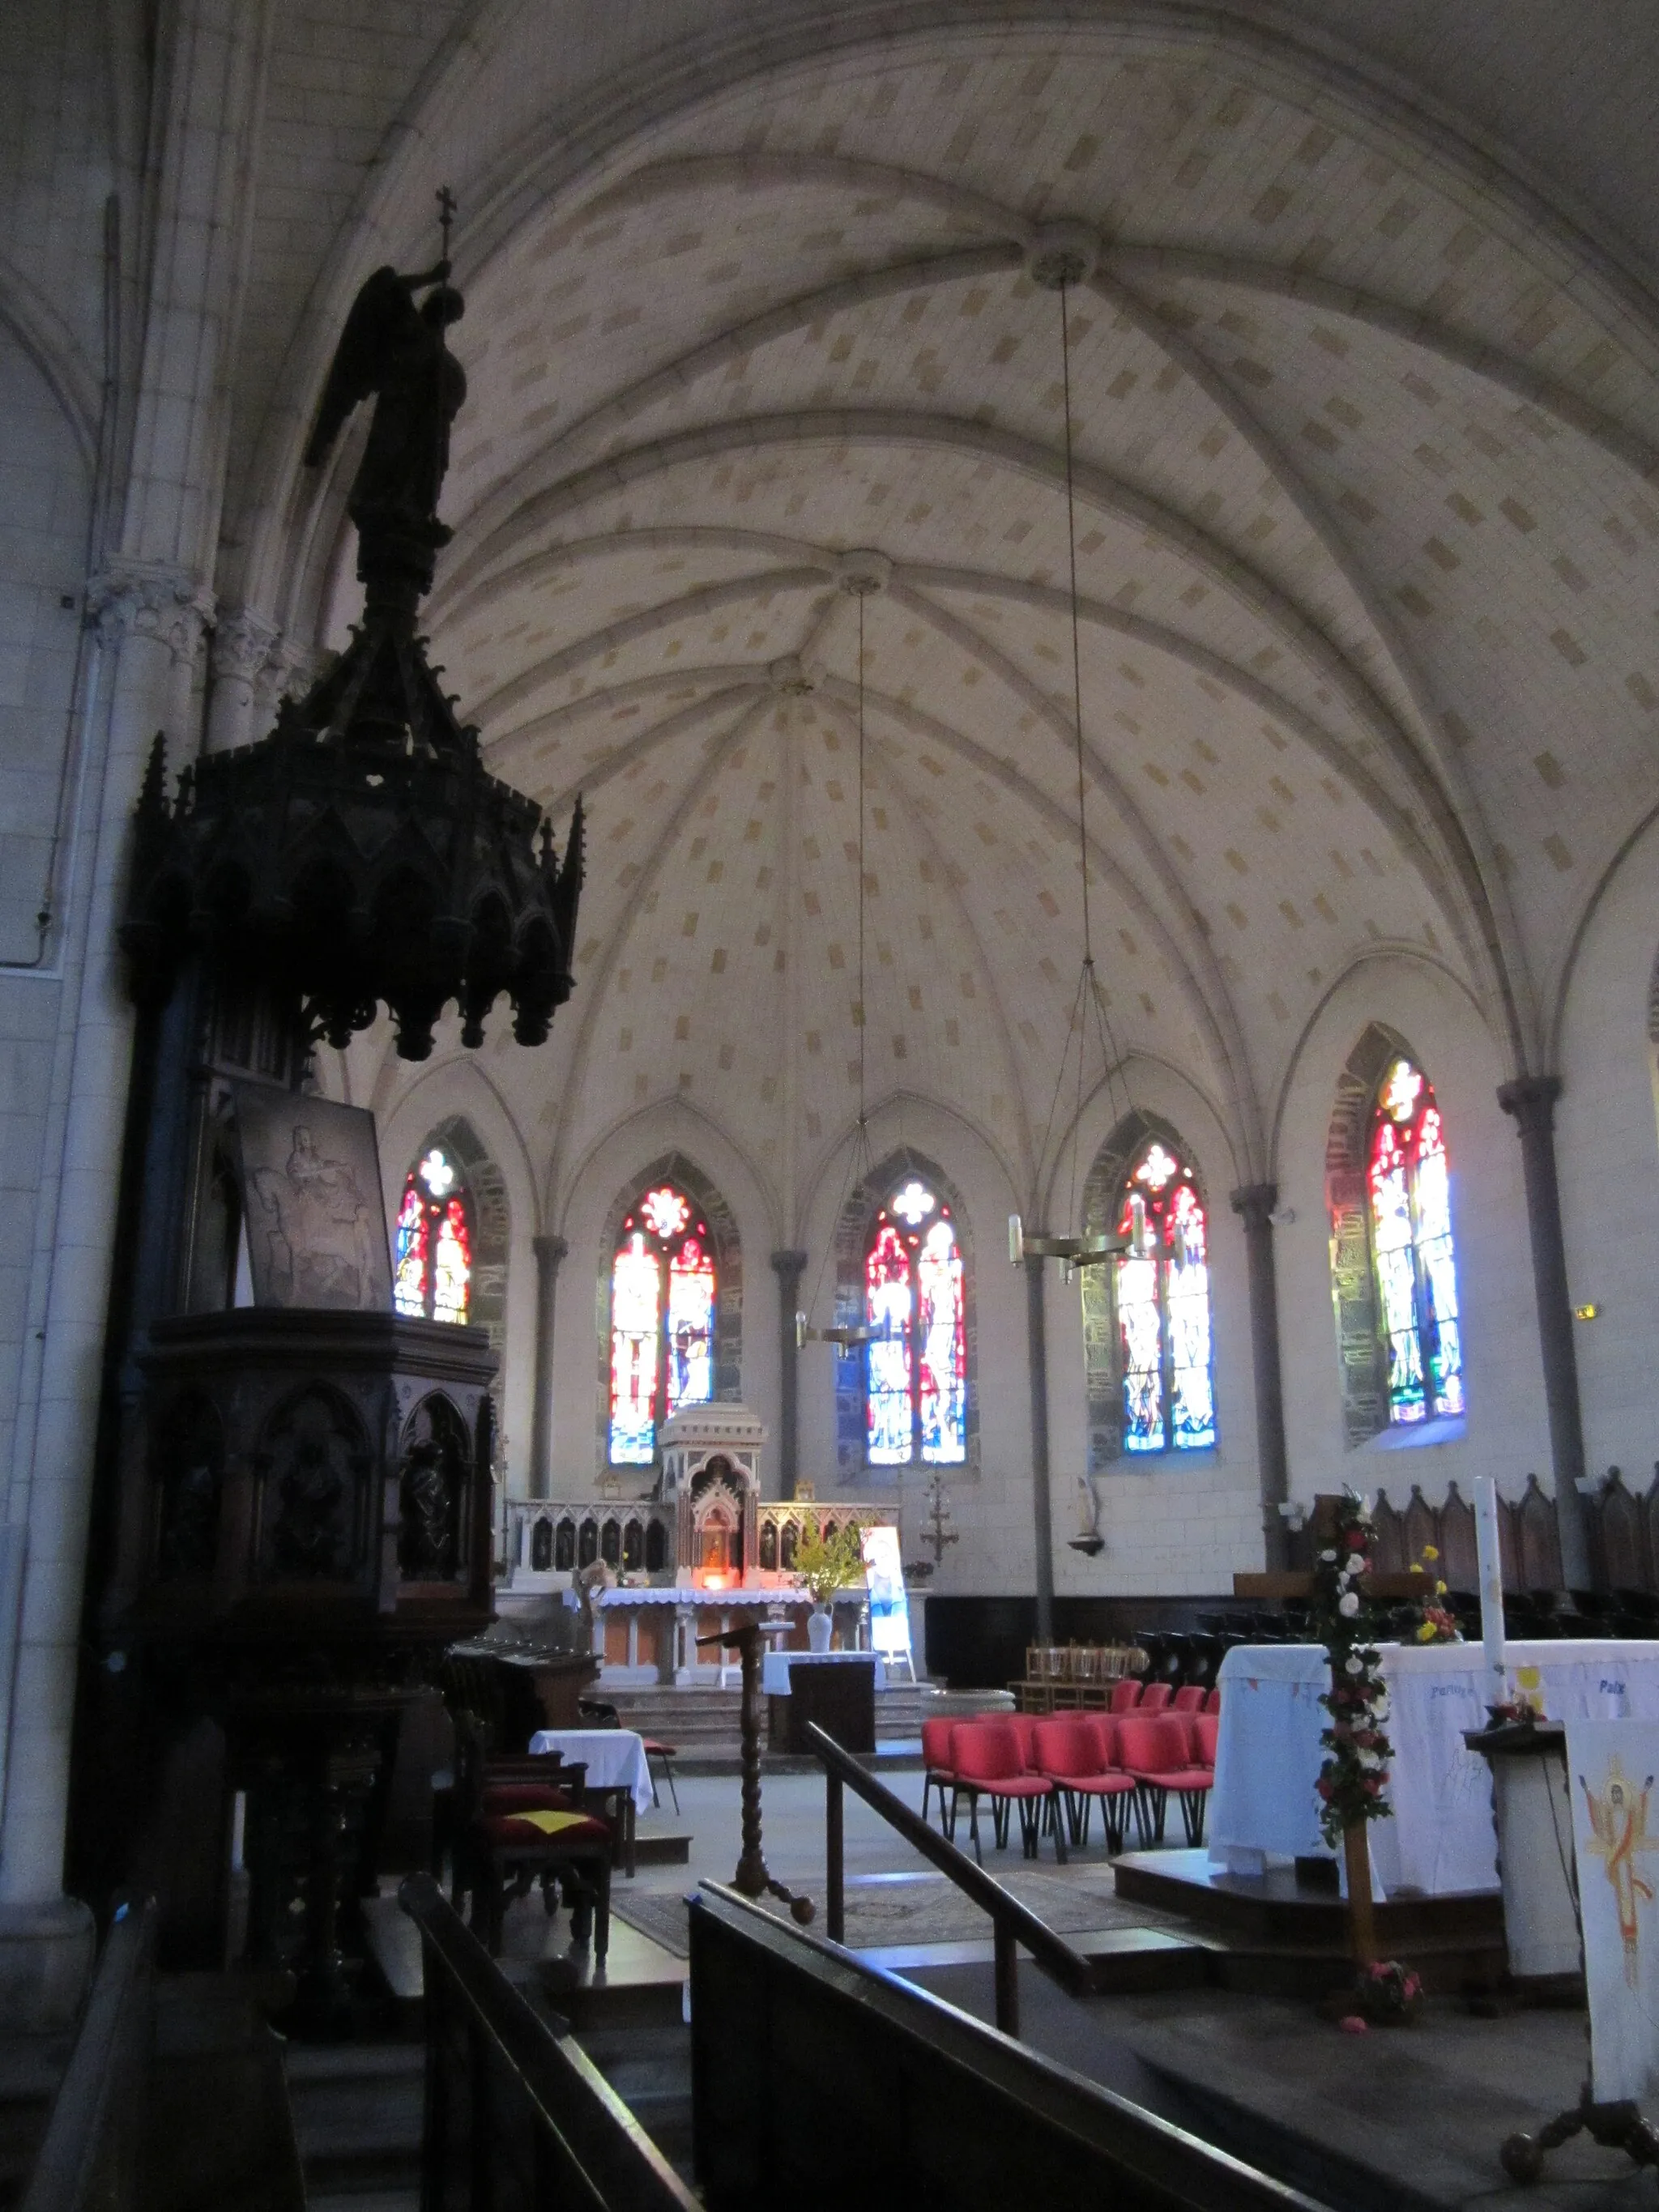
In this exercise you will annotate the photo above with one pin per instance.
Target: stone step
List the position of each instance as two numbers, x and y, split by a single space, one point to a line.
699 1722
357 2113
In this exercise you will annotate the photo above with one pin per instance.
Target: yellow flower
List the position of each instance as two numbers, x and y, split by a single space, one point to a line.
1417 1567
1440 1590
1425 1634
1430 1553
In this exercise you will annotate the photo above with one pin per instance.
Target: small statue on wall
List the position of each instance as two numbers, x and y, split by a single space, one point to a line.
433 1482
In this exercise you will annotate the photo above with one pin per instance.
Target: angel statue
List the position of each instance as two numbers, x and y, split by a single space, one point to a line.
395 350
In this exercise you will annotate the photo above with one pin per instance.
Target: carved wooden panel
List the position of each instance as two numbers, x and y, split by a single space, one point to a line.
1459 1569
1623 1539
1390 1547
1541 1540
1419 1526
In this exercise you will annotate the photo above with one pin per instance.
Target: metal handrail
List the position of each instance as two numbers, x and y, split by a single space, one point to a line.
89 2154
583 2130
1011 1922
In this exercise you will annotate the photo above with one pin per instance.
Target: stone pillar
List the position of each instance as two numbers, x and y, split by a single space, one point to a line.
1255 1203
244 652
550 1251
1036 1354
1531 1099
788 1266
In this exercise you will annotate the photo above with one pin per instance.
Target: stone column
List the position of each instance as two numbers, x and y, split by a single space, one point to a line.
788 1266
550 1252
1255 1203
1036 1354
1531 1099
244 652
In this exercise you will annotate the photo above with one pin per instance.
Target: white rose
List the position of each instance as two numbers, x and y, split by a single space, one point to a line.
1355 1666
1326 1557
1348 1604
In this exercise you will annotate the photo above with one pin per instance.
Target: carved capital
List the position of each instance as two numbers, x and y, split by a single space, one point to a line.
1256 1202
550 1252
1531 1099
789 1266
150 599
244 645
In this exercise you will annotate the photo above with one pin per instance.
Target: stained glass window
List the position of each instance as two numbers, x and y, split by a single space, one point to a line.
1163 1307
662 1321
431 1254
1408 1176
916 1363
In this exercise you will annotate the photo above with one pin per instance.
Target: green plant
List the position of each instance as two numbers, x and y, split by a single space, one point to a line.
828 1560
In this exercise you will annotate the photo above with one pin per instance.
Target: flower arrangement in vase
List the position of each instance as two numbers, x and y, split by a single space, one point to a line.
1438 1625
826 1562
1354 1781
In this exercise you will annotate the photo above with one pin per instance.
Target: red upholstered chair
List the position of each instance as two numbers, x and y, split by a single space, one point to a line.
521 1821
1075 1756
985 1758
940 1773
1125 1693
1212 1703
1157 1753
1155 1698
1188 1698
1202 1731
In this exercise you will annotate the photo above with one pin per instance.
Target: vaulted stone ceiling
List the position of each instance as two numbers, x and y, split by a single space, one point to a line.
1365 553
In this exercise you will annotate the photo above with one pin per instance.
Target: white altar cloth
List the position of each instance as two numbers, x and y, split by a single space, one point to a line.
1441 1837
775 1665
614 1758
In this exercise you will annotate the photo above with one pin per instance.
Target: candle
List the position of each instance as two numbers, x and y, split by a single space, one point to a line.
1490 1560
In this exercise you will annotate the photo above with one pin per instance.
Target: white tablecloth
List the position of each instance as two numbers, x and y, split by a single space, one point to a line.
612 1757
1440 1839
775 1667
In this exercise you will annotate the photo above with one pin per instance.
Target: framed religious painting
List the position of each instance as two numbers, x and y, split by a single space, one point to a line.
311 1205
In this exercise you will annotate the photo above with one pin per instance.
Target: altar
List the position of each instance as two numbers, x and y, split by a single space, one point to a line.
1440 1839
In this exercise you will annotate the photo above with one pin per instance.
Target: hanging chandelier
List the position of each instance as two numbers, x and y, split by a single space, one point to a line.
861 574
1060 256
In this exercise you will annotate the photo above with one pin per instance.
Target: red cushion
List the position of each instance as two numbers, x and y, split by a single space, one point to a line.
1066 1746
1212 1703
1103 1728
1188 1698
1094 1786
525 1797
1154 1698
1125 1694
504 1829
1177 1778
986 1751
649 1744
1203 1730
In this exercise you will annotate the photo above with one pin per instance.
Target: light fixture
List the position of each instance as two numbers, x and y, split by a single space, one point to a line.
860 574
1062 255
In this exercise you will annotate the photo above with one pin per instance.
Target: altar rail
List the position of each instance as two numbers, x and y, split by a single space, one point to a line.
551 1536
91 2159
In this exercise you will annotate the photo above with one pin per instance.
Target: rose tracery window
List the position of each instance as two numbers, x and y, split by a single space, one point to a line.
1408 1183
431 1254
662 1321
1163 1298
916 1365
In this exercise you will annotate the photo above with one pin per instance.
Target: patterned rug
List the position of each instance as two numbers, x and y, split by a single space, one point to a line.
922 1909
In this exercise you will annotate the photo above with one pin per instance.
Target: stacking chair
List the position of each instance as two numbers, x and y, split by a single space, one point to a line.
521 1821
1075 1755
1212 1703
1203 1730
1155 1698
986 1759
1126 1693
1188 1698
600 1714
1157 1753
938 1773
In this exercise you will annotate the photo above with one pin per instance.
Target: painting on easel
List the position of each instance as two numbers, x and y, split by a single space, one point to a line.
312 1204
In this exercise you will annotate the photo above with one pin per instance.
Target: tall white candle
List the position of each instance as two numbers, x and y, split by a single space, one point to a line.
1491 1563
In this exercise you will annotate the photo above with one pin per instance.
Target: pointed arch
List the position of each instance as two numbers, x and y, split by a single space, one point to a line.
452 1232
1147 1334
1388 1191
910 1398
669 1305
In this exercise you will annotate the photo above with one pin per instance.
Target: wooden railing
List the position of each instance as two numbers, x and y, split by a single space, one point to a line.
1011 1922
91 2159
516 2113
820 2082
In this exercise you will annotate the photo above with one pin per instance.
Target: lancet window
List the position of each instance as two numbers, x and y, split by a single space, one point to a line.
663 1292
1162 1304
1408 1185
916 1363
433 1246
